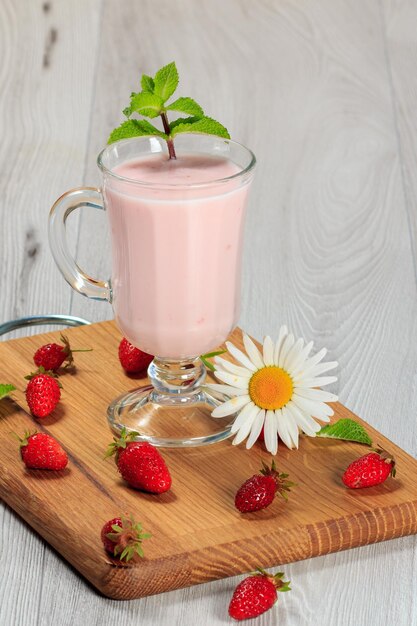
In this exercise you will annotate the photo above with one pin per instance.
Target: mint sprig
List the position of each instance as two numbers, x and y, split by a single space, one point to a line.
5 390
346 429
151 102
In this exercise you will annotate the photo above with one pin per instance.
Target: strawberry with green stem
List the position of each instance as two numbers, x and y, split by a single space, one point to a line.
42 451
43 392
140 463
51 356
370 470
151 102
122 538
259 491
256 594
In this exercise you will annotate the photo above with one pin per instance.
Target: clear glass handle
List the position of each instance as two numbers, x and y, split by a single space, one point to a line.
74 275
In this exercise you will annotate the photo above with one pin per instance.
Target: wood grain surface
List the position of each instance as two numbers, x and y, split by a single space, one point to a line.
324 93
197 534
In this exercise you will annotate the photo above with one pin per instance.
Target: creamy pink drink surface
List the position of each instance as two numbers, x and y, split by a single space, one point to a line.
176 251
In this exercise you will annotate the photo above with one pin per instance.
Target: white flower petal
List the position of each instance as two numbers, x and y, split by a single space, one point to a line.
231 367
230 391
292 426
282 427
268 351
253 352
320 381
246 413
230 406
315 394
304 421
321 368
283 332
240 356
319 410
315 359
293 354
270 432
256 429
241 382
301 359
244 430
286 347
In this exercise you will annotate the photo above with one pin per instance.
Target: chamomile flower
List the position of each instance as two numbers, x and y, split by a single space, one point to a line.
277 389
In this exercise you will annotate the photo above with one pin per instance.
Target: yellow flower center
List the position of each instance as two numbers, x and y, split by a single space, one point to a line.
270 388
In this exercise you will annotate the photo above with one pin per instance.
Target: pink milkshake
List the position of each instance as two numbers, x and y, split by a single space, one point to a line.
176 230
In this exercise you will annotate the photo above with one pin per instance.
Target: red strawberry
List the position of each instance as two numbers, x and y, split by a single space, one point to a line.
42 392
256 594
52 355
122 538
132 359
369 470
41 451
140 463
259 491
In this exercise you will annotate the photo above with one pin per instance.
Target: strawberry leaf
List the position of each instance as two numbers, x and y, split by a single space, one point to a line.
346 429
5 390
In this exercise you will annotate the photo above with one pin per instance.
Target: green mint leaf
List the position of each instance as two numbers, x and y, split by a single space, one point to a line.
166 81
183 120
204 125
147 104
127 112
5 390
186 105
346 429
147 83
134 128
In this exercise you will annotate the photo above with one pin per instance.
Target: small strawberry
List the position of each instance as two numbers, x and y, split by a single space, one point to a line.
41 451
256 594
259 491
122 538
42 392
369 470
140 463
132 359
52 355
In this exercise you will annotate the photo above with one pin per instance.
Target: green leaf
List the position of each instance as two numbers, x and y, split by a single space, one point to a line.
183 120
147 83
166 81
209 355
346 429
186 105
134 128
146 103
5 390
127 112
204 125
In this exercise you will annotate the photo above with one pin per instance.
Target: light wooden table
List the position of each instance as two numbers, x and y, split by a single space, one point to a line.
324 93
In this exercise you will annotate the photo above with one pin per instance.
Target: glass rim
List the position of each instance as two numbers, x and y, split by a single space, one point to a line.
153 185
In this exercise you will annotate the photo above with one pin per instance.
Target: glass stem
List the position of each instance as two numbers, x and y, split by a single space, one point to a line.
177 378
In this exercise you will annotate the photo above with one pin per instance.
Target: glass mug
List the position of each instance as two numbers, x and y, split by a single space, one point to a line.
175 285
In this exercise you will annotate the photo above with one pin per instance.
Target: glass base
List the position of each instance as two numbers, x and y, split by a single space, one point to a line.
169 420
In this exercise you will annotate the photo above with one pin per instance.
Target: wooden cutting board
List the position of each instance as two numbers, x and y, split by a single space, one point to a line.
197 534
